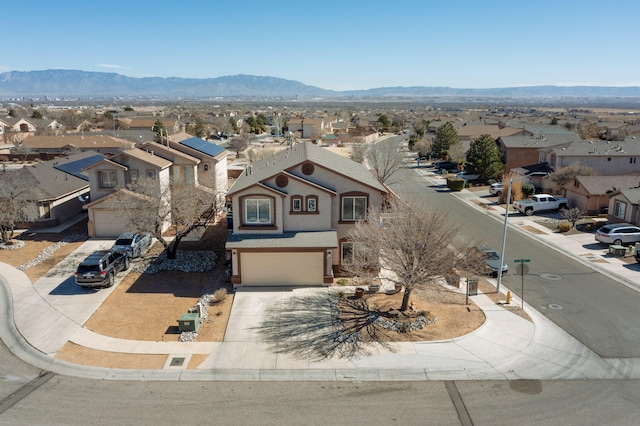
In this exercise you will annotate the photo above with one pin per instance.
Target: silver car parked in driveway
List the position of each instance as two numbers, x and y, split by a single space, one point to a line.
618 234
132 243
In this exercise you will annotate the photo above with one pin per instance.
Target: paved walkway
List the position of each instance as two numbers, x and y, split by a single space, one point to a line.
41 317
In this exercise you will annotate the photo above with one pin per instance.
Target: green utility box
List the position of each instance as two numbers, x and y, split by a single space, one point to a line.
189 322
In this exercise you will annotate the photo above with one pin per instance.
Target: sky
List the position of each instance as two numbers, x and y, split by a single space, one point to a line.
334 44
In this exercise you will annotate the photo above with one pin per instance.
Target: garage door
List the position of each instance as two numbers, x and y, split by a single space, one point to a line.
275 269
108 224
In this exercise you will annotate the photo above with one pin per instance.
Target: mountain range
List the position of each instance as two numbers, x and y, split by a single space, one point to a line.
75 83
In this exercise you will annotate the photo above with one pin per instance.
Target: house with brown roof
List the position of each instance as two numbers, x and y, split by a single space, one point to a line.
291 213
607 158
525 150
624 206
60 189
106 218
592 194
55 145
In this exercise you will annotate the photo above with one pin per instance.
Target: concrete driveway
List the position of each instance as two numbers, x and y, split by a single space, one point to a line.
57 291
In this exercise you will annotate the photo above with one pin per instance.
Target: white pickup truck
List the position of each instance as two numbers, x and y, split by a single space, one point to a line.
540 202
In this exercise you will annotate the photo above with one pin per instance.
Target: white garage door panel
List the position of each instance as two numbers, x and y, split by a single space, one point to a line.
108 224
273 269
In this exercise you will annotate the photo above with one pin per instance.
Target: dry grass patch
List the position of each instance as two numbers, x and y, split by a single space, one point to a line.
87 356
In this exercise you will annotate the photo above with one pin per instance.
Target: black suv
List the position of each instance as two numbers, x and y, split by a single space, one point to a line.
99 269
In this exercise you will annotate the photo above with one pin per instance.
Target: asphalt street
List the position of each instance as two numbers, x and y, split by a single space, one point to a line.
593 307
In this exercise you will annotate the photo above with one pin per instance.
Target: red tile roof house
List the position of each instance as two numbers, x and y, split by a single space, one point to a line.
291 213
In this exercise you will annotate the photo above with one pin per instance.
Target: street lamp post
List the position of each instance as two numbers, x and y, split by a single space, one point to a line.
504 231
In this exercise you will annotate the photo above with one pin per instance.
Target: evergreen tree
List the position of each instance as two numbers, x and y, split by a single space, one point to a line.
446 135
483 158
159 129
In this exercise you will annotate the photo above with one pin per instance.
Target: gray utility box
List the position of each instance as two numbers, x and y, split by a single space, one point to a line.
189 322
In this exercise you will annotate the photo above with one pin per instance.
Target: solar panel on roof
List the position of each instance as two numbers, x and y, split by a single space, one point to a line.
75 167
202 146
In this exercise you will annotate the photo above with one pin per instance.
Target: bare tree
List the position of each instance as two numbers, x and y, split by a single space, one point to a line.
573 215
384 159
358 151
411 241
149 206
565 173
238 144
16 188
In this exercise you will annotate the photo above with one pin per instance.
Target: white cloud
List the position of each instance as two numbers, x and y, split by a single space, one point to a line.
113 66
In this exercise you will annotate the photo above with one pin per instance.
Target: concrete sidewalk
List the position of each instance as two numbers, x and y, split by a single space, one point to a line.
39 318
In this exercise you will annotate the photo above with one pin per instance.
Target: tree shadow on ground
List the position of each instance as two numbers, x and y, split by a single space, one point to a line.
317 328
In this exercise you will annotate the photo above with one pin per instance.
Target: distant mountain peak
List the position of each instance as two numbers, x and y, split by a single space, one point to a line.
75 83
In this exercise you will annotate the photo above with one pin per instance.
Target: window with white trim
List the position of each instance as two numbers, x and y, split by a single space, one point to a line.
311 204
354 208
296 204
257 211
619 209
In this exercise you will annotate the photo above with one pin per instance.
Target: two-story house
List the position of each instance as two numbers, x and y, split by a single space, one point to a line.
291 213
106 218
605 157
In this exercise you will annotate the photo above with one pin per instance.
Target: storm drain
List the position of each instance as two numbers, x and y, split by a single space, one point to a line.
554 306
176 362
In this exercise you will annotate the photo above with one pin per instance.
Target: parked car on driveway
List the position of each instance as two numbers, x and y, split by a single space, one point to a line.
445 165
618 234
491 259
132 244
496 188
99 269
467 176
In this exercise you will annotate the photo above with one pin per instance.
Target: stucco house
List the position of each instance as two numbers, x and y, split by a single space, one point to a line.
60 189
592 194
520 151
190 162
623 206
291 213
605 157
110 175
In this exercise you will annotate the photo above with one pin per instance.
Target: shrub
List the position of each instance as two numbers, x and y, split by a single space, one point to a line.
564 227
219 295
455 184
528 190
342 281
341 294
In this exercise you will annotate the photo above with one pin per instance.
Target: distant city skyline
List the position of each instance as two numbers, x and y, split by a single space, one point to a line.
333 44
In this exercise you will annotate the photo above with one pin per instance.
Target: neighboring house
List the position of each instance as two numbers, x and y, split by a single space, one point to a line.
44 124
188 161
469 132
172 126
213 159
521 151
605 157
294 125
51 145
315 128
22 125
623 206
592 194
111 175
291 213
184 168
60 191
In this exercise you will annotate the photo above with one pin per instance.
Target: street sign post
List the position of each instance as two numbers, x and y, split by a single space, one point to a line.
523 269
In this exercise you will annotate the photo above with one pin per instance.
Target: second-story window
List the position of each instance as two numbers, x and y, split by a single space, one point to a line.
107 179
296 204
354 208
312 204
